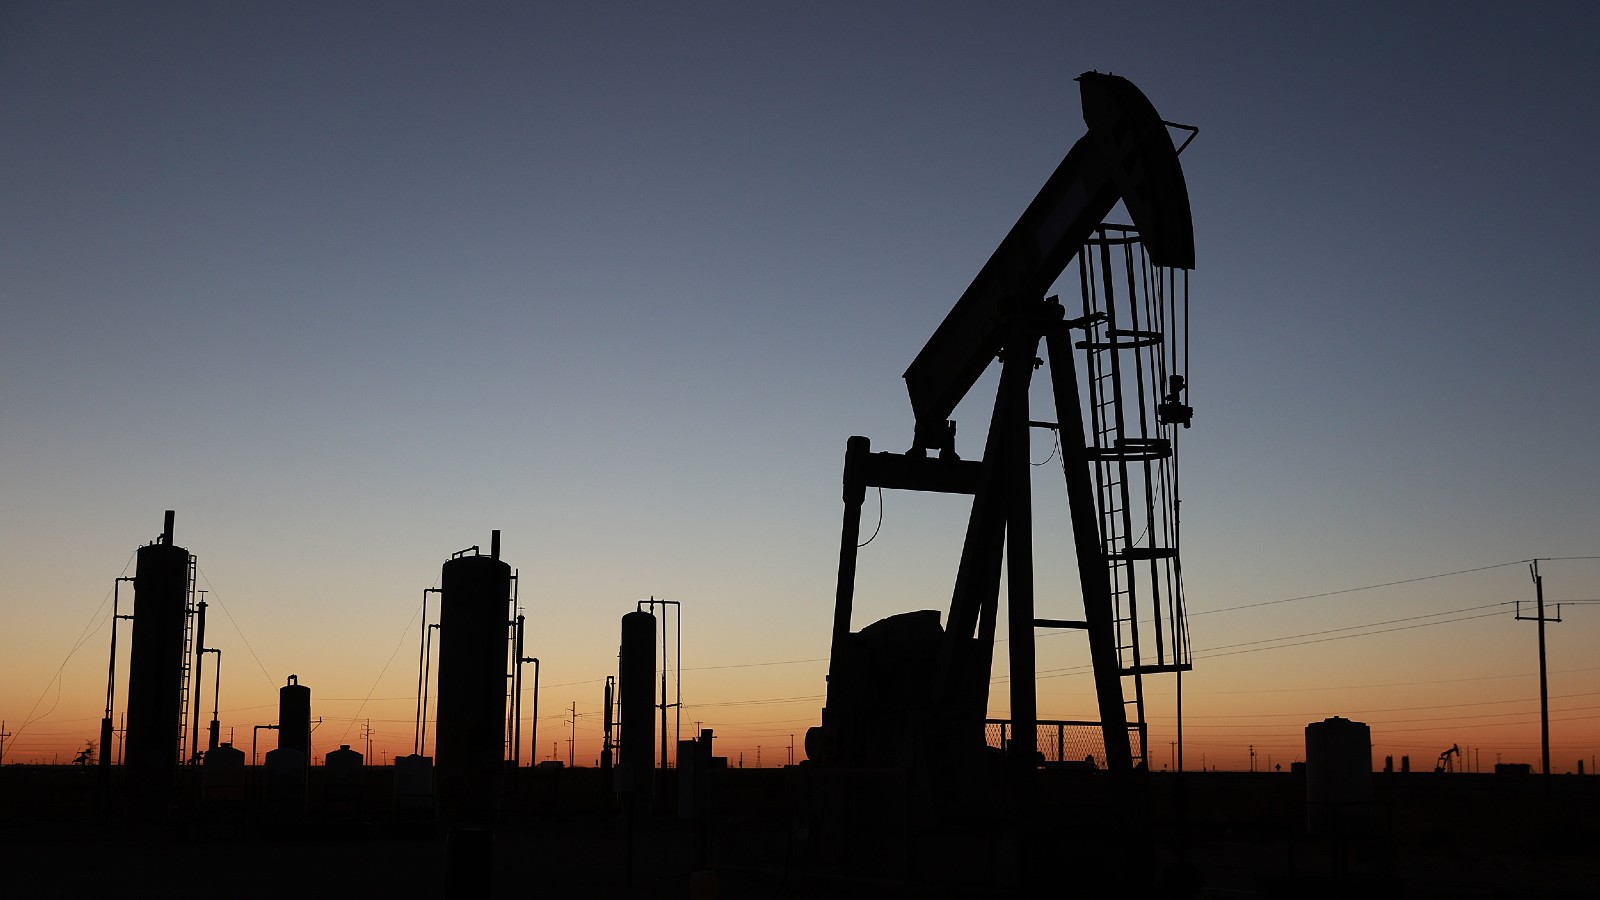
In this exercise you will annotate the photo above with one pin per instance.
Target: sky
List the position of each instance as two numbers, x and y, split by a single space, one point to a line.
349 285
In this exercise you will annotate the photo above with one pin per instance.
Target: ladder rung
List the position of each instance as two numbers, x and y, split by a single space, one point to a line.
1134 449
1139 339
1135 553
1157 668
1060 623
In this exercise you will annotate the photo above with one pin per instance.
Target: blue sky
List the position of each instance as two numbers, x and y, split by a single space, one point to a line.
348 285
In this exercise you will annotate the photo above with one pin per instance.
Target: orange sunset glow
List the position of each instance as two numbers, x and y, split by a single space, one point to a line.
1019 424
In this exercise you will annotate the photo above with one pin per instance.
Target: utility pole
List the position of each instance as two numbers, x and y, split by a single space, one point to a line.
5 734
572 741
1544 679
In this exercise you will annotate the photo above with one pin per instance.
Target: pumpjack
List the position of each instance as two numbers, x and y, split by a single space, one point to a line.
910 694
1447 759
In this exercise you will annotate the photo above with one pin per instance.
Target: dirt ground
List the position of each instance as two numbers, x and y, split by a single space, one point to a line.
773 833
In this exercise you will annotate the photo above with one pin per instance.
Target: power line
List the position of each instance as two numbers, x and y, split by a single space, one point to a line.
1388 709
1355 687
406 631
212 590
1367 587
1448 612
83 636
760 702
1250 648
1348 636
780 662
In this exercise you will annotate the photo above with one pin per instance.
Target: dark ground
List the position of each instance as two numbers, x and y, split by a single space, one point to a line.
1429 836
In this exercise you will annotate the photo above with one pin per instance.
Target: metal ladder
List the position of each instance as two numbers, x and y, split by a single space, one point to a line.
1134 333
188 647
1125 444
1112 498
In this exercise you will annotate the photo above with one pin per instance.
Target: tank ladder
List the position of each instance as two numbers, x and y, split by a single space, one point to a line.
188 655
513 675
1132 451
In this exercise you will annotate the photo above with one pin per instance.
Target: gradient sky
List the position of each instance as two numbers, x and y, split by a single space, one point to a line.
349 285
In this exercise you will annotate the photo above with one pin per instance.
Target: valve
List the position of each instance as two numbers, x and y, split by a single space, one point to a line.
1172 410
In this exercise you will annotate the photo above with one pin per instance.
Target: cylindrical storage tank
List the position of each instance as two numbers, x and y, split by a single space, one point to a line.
155 667
469 748
413 788
343 763
341 779
284 784
294 717
1338 776
223 774
636 684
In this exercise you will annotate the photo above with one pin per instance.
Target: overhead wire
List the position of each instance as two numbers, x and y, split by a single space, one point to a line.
1366 625
90 629
1366 587
392 654
1249 646
211 589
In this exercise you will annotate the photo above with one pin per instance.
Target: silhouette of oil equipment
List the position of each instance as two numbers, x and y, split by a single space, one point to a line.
158 672
1447 759
905 693
636 670
477 635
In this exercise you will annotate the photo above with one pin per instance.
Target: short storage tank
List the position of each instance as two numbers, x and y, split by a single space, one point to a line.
342 781
1338 776
222 775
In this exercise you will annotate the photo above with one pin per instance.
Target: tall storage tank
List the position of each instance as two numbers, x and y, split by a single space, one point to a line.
294 717
155 667
1338 776
474 622
636 674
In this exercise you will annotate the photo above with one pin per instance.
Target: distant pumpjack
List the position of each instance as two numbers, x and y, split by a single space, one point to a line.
1447 759
903 691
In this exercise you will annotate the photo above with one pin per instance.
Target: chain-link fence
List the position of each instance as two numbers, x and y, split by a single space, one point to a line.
1062 742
